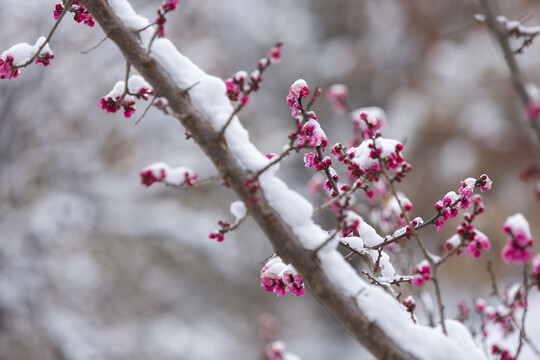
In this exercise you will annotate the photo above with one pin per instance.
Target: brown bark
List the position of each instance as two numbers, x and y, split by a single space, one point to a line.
285 243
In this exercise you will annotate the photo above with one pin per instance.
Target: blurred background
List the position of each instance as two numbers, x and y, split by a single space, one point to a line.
95 266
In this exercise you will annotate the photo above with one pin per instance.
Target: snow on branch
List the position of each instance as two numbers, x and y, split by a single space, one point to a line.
370 314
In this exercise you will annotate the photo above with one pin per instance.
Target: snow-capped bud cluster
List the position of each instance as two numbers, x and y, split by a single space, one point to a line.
520 240
167 6
501 316
280 278
23 54
162 172
338 94
474 240
368 121
375 154
447 207
501 353
116 99
139 88
422 273
409 304
124 97
80 13
298 91
311 134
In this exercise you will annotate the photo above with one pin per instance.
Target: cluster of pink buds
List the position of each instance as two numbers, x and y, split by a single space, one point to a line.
311 134
368 121
298 91
520 240
410 305
447 207
167 6
422 273
219 235
376 154
501 316
280 278
502 354
274 55
162 172
338 94
123 97
7 69
45 58
312 160
236 86
474 240
80 13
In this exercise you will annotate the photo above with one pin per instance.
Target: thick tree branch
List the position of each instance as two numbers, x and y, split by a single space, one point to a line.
286 244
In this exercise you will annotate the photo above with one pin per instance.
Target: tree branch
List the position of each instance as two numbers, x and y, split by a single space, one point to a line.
364 327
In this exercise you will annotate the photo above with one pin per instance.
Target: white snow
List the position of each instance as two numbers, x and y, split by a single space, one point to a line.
518 223
238 209
23 52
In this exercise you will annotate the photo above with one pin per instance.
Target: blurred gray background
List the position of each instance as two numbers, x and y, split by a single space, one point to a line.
94 266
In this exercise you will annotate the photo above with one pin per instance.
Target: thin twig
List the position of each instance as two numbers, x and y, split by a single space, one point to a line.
146 110
421 245
95 46
199 183
524 314
335 199
277 159
64 11
515 74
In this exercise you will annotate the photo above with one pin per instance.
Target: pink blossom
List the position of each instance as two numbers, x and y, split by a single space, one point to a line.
244 100
310 159
479 242
338 94
233 90
297 91
7 69
422 273
280 278
520 241
274 56
109 104
57 10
